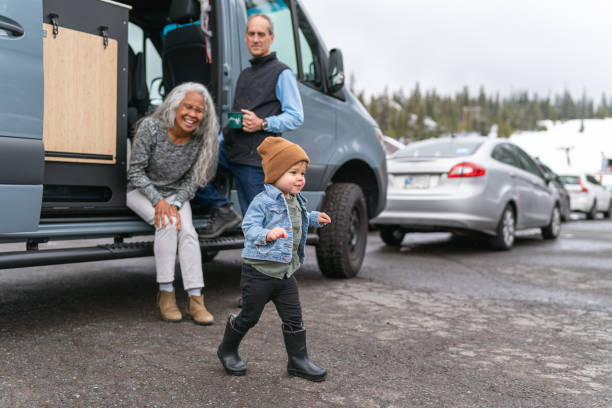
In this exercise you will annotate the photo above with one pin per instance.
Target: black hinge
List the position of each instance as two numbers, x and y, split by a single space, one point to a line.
54 17
104 34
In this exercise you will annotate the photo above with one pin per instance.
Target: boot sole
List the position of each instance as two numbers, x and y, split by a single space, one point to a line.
170 320
199 323
294 373
237 373
220 230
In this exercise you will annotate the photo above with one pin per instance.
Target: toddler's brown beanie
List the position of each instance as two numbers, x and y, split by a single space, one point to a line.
278 155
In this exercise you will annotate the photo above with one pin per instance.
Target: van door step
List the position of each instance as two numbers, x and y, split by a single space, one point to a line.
142 248
223 242
236 241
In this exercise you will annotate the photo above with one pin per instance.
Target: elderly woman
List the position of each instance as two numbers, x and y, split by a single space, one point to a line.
175 151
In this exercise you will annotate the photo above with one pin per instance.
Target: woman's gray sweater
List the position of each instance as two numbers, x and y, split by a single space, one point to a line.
160 168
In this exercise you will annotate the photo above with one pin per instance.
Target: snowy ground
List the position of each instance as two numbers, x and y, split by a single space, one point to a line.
586 150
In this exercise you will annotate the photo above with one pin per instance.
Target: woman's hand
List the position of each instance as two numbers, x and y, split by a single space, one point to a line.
250 121
324 218
276 233
165 211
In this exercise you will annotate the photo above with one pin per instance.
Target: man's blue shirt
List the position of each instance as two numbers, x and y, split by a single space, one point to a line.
288 94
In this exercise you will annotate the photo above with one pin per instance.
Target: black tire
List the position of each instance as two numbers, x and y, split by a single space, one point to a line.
342 243
391 235
504 237
553 229
592 212
565 211
608 212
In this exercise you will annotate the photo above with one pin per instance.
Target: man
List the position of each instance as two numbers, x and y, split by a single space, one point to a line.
267 94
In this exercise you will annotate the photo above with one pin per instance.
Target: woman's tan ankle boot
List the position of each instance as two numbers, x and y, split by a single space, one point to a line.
167 306
197 311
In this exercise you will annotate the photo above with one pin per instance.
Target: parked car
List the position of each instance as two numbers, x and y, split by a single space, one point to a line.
555 182
605 179
587 195
467 184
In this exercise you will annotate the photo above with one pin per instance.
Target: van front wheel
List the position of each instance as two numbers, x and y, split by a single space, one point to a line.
342 243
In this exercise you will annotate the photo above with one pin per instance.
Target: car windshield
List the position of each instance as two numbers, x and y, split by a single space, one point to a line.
450 147
569 179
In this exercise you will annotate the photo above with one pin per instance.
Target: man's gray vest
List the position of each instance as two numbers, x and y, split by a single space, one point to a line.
255 91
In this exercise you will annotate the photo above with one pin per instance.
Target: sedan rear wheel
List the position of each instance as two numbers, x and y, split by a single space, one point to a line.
391 235
553 229
504 239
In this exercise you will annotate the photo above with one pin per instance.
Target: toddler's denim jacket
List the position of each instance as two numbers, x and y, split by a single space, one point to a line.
268 210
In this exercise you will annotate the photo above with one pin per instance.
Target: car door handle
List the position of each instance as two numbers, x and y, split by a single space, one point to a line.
11 26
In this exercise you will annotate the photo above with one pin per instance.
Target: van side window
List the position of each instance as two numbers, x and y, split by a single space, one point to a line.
309 46
279 12
135 38
144 60
153 62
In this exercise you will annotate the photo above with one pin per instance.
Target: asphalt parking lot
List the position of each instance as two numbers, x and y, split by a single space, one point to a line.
438 322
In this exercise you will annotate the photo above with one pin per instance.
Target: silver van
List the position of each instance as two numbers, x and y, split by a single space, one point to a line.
77 74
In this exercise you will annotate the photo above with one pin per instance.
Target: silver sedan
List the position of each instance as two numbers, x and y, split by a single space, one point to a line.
467 184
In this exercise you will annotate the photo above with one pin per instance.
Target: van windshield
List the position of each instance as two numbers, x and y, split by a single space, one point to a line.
450 147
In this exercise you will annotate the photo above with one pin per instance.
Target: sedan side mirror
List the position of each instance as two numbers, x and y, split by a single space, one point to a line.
335 72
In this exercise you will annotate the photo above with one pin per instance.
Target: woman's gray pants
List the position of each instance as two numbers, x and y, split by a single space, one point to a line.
168 239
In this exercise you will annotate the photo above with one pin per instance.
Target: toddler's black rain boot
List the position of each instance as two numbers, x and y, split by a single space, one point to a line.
228 349
299 365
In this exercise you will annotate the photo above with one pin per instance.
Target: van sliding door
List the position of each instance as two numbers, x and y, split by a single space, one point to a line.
21 115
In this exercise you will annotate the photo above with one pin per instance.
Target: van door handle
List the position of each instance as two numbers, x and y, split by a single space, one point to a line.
11 26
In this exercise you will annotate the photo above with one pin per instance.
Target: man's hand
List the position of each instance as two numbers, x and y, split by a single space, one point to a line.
164 211
324 218
250 122
276 233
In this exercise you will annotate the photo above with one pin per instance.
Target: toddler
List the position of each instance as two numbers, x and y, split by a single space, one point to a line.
275 227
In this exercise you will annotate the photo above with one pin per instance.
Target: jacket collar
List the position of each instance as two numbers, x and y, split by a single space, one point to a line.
274 193
255 62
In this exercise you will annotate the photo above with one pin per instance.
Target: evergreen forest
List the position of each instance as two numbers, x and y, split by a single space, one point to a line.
423 114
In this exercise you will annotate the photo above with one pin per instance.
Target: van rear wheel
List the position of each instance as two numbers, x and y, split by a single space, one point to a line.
208 254
342 243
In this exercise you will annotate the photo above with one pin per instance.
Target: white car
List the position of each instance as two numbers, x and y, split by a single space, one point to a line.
587 195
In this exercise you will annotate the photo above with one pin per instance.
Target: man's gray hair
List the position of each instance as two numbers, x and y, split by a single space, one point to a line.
270 23
207 131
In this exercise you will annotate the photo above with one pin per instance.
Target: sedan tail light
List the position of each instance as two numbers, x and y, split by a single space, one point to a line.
467 169
583 189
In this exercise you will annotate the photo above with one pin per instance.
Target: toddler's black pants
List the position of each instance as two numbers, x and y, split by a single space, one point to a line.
258 289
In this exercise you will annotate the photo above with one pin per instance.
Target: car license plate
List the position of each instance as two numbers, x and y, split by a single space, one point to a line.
420 181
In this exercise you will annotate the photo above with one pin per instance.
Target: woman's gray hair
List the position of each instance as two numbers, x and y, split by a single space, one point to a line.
208 131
